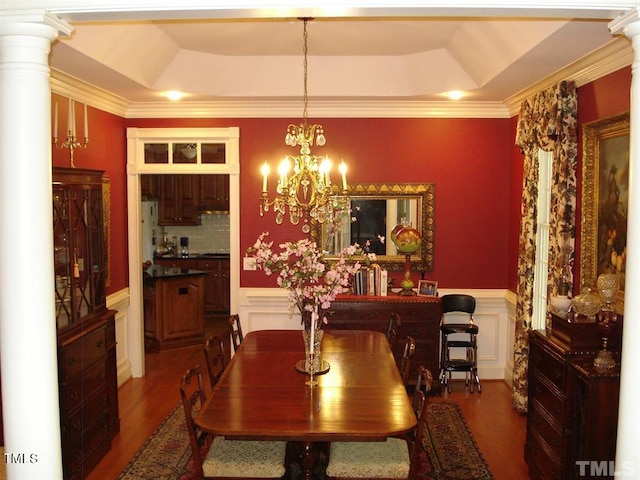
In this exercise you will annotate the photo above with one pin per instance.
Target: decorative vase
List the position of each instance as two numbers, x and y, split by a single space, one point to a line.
316 357
608 285
587 303
560 304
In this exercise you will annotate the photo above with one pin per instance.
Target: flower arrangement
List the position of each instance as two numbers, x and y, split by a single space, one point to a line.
311 282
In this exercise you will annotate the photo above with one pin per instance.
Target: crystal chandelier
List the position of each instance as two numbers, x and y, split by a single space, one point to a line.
304 183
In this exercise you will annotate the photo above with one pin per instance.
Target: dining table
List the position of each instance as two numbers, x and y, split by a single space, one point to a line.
263 396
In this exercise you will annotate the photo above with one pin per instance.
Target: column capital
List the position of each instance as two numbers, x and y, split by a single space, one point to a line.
18 21
626 24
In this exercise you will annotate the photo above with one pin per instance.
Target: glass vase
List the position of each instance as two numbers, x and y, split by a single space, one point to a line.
312 359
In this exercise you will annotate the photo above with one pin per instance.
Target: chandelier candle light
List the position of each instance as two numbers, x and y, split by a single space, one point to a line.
72 140
304 183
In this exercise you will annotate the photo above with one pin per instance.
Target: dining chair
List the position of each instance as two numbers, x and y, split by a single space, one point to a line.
417 447
226 458
215 357
388 459
459 304
392 330
236 331
407 359
424 384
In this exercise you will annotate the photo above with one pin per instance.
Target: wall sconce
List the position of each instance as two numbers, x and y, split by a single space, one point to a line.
72 140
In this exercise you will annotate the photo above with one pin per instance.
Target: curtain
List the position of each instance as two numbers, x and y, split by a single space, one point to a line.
547 121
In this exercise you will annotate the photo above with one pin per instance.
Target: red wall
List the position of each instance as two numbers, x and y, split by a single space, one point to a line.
468 160
474 164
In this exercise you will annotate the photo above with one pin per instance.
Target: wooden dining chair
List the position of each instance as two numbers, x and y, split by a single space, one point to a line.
216 358
392 330
215 457
424 384
389 460
417 446
406 360
236 331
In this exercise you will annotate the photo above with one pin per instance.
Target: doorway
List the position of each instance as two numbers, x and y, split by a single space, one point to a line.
136 167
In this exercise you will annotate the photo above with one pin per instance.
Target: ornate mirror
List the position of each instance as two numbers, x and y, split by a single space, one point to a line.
375 208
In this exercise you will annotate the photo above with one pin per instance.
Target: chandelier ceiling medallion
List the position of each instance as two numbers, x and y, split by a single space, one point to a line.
304 183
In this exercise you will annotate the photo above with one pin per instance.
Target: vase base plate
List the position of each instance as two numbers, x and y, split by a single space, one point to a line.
324 368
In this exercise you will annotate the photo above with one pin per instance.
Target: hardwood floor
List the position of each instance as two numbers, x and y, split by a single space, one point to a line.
145 402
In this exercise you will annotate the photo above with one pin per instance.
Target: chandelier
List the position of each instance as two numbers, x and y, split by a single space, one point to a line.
304 184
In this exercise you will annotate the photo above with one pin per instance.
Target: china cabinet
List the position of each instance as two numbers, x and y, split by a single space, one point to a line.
86 329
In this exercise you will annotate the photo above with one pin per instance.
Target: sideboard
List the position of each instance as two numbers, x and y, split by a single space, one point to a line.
419 318
573 406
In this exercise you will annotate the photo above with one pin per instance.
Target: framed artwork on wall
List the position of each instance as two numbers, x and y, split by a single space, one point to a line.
427 288
605 192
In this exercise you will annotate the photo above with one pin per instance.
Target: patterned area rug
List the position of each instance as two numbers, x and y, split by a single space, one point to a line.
450 452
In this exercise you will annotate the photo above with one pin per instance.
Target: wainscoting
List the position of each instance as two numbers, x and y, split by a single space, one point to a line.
267 308
264 308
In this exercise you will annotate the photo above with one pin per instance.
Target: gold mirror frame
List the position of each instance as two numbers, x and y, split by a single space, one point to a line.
596 143
424 193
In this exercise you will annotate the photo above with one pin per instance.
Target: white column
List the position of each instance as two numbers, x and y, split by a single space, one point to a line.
627 459
27 323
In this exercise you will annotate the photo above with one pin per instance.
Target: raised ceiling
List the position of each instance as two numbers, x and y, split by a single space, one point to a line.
404 61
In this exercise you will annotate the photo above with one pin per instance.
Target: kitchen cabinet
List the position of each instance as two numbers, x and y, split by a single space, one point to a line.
178 200
88 388
213 193
419 318
173 307
150 187
217 286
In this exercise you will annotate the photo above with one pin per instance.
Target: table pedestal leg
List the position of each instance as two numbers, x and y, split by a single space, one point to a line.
308 460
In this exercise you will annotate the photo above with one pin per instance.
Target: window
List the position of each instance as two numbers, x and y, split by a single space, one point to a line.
541 269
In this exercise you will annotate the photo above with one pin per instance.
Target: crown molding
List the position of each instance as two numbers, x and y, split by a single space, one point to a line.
81 91
615 55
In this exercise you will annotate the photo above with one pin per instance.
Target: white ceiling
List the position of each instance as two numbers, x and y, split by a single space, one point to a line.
367 60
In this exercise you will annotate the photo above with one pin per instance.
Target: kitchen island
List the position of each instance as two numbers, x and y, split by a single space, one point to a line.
173 307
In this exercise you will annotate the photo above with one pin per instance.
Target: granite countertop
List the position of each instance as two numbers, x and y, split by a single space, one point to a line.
155 272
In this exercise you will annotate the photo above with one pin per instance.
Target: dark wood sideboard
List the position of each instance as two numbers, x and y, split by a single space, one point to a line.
573 406
419 317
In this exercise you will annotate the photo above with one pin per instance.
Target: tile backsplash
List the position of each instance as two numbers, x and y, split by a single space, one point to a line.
212 236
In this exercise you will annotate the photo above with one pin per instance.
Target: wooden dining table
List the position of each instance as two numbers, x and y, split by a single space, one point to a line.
262 396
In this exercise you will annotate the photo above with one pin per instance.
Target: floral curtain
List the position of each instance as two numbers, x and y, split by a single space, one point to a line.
547 121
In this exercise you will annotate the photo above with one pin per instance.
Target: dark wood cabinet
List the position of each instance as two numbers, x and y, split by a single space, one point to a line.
217 284
178 199
419 317
150 187
86 328
573 407
173 310
213 193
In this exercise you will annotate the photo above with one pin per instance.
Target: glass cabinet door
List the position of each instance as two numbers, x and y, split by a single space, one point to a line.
78 245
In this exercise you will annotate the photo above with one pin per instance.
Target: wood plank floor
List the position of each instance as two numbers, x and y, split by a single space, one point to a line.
145 402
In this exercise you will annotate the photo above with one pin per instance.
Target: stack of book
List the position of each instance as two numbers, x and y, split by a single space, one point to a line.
371 280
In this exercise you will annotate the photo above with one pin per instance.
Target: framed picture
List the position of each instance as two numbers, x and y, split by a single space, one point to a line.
605 200
427 288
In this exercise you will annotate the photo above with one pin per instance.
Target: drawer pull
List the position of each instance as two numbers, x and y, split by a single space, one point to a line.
99 343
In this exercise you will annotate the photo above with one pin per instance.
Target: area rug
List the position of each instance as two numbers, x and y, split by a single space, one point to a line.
450 452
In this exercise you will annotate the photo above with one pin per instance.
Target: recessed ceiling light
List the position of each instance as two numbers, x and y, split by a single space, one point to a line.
174 95
455 94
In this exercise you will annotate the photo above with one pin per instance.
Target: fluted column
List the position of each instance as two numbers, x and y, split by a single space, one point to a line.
627 461
27 328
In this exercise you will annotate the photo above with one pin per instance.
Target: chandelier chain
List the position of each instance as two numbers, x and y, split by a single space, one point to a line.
305 69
